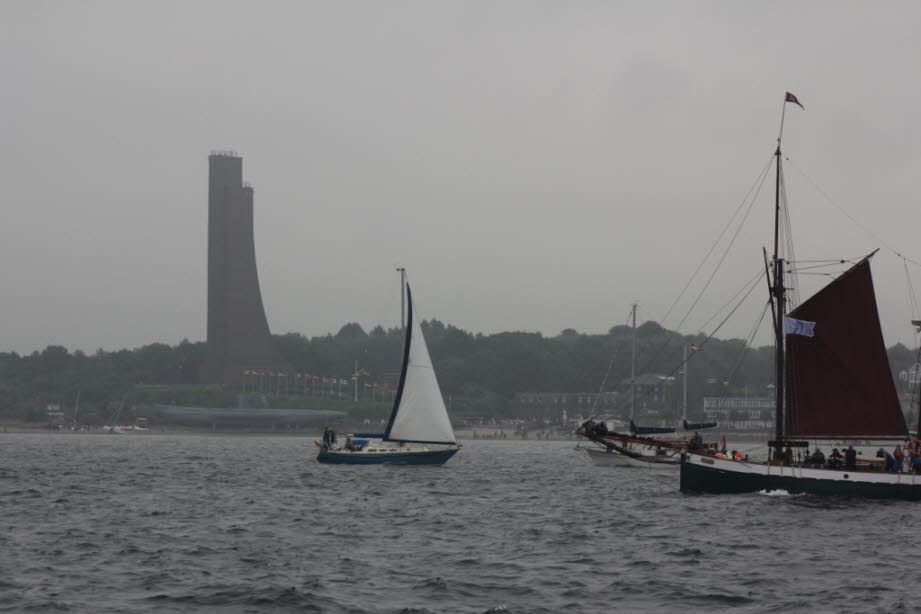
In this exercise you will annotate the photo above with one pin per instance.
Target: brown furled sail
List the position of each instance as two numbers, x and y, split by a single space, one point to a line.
838 382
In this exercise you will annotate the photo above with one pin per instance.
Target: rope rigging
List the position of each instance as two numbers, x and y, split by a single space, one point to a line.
750 288
604 380
756 187
754 280
912 296
841 209
744 209
748 343
726 252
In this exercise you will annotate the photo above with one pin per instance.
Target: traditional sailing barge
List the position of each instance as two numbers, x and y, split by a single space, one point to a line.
639 448
833 382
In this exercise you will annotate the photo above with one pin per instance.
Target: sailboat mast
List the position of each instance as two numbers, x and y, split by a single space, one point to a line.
918 431
917 325
684 401
633 368
402 271
779 294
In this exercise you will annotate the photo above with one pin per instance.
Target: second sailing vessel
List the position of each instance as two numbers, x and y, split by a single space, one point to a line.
638 448
833 383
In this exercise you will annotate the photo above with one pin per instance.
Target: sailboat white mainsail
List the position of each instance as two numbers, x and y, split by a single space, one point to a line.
419 413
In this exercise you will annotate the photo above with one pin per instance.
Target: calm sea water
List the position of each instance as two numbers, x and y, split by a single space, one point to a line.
161 523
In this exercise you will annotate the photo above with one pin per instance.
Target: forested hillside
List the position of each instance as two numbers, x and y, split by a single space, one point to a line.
480 373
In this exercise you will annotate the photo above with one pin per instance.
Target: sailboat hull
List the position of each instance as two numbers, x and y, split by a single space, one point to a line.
704 474
423 457
605 458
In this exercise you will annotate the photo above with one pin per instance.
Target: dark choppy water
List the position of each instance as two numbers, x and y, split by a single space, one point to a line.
99 523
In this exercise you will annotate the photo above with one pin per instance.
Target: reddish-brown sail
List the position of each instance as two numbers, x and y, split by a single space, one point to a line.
838 382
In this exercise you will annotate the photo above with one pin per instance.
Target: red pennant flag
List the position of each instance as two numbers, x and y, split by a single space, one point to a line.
791 98
696 348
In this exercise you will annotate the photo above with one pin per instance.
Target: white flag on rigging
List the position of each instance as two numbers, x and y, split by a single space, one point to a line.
792 326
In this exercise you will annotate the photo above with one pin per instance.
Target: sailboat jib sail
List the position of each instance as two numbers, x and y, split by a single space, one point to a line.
839 384
419 414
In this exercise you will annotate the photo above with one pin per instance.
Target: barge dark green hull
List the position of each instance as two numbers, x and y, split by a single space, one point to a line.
698 478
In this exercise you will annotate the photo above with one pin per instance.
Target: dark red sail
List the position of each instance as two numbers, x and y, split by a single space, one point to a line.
838 382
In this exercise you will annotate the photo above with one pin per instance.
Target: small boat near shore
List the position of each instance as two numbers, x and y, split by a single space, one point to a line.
644 446
657 458
613 449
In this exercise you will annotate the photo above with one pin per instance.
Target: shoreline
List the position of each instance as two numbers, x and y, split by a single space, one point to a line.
462 434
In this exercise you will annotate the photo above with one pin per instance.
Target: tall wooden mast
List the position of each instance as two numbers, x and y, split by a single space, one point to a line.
633 368
780 296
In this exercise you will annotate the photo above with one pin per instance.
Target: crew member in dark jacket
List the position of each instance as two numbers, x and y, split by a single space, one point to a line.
818 459
850 458
835 459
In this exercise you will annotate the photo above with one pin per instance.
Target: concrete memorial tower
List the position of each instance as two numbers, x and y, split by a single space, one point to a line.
238 332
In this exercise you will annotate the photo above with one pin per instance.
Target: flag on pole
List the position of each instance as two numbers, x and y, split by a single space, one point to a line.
791 98
792 326
696 348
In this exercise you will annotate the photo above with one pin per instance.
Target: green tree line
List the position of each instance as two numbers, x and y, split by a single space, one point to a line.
479 373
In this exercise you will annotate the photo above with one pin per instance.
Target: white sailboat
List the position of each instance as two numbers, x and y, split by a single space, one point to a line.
419 419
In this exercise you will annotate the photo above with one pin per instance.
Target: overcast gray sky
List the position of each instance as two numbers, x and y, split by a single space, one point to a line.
534 165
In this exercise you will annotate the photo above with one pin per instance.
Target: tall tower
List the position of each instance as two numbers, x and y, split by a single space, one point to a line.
238 332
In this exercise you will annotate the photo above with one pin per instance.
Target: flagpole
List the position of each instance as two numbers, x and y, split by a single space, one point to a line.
783 114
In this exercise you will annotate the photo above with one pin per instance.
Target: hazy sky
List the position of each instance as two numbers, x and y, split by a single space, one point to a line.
534 165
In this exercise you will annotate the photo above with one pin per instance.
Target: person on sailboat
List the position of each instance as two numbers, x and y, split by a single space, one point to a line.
916 462
850 458
817 459
329 438
787 459
834 461
897 456
888 459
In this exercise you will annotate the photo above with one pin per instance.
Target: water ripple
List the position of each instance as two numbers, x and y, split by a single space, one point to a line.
253 524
